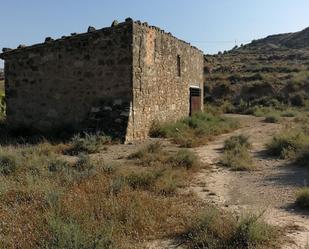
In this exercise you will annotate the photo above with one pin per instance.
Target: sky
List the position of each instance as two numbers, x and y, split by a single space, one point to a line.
211 25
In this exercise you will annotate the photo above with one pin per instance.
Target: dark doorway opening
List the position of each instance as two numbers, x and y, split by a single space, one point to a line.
195 100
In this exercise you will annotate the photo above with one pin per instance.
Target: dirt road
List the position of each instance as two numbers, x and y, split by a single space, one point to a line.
271 189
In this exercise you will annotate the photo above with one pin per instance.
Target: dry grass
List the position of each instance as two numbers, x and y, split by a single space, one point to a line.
48 201
302 198
196 130
236 154
217 230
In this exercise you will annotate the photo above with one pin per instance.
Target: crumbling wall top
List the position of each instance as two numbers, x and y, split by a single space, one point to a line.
6 52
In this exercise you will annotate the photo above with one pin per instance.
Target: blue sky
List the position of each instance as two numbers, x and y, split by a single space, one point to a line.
212 25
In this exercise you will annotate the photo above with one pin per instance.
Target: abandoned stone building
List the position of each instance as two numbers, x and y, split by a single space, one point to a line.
119 79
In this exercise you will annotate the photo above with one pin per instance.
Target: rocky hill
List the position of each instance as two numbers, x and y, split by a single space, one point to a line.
296 40
266 70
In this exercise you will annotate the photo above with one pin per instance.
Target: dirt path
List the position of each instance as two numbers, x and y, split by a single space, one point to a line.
270 189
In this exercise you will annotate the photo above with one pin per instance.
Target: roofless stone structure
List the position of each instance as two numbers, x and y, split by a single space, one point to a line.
118 79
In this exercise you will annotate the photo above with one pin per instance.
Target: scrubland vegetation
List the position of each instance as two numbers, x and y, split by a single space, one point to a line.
236 154
196 130
61 195
48 201
293 144
215 229
302 198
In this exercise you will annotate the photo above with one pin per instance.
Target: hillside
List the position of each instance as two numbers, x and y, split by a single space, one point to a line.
275 67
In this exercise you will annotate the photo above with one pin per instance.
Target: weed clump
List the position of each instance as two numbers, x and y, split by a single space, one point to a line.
302 198
185 159
272 119
236 154
217 230
237 141
8 163
287 144
87 143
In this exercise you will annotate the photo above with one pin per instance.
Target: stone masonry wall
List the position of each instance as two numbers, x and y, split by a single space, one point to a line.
159 93
64 81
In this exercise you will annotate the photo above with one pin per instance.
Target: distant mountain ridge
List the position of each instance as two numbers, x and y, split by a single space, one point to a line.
295 40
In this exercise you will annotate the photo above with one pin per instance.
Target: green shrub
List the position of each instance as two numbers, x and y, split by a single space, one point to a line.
117 184
57 165
153 148
289 114
253 231
109 168
88 143
236 141
185 159
83 163
143 180
236 154
168 183
211 229
152 155
272 119
8 163
69 235
298 99
217 230
302 158
238 159
302 198
287 144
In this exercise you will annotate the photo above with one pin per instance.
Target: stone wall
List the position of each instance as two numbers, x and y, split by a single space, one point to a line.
62 81
159 92
120 79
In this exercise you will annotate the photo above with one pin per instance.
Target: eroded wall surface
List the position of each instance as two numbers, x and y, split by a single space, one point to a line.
159 92
64 81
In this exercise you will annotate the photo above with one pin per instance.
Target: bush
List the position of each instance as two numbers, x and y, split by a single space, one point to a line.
143 180
236 154
298 99
69 235
8 163
252 231
57 165
238 159
88 143
287 144
185 159
218 230
237 141
302 158
151 156
153 148
168 183
272 119
302 198
83 163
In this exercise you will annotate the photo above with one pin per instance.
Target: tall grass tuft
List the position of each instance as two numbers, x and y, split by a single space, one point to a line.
217 230
302 198
236 154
